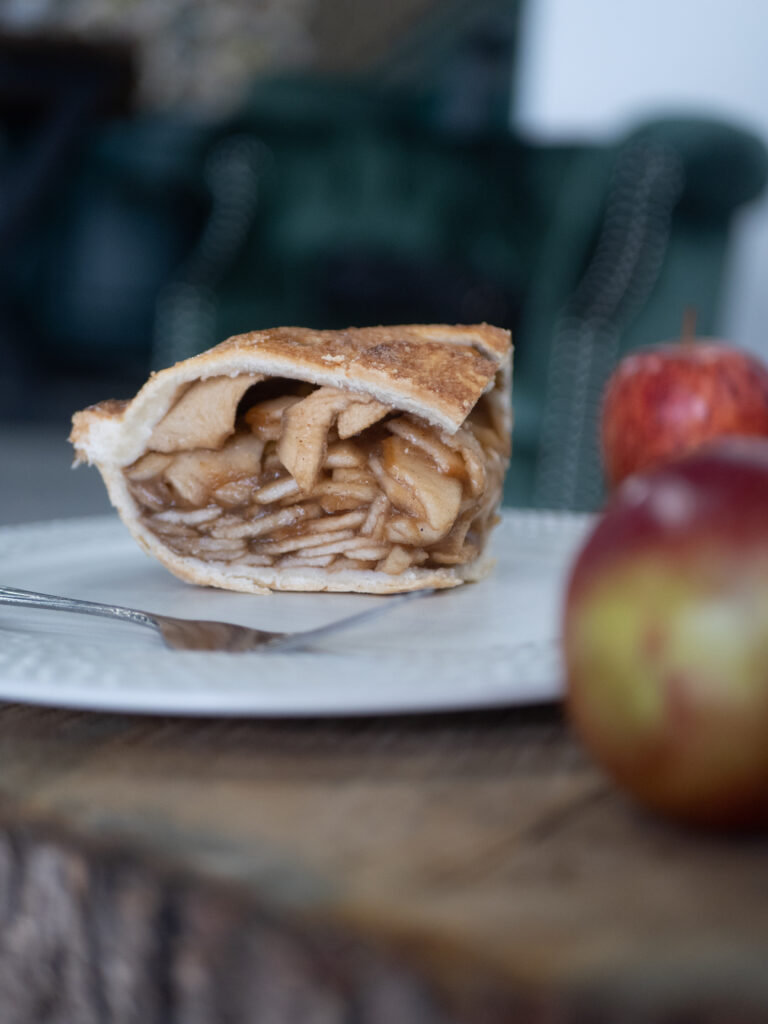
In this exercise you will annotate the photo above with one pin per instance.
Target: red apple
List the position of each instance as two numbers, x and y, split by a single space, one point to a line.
663 402
666 636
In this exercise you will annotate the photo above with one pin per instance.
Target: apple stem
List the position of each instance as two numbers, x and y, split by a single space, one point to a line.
688 333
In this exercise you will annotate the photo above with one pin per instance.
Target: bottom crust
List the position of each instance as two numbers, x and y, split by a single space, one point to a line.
261 580
252 579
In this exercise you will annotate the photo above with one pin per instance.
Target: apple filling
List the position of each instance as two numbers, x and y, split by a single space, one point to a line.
318 477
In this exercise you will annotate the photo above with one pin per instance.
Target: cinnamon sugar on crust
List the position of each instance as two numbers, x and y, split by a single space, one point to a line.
444 367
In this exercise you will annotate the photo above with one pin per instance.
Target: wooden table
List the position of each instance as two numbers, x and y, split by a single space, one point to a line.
462 868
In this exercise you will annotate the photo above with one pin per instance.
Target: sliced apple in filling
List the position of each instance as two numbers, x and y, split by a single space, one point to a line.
322 479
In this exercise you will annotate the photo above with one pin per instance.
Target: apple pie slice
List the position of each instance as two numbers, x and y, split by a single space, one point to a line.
367 460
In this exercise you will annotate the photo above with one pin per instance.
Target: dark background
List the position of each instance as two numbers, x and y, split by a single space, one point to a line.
174 173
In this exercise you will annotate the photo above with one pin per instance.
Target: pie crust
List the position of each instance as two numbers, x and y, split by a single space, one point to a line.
368 460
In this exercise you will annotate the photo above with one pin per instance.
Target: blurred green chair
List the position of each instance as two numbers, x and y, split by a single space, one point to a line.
329 205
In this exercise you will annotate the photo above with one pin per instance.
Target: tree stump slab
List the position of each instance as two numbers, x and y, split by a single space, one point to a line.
455 868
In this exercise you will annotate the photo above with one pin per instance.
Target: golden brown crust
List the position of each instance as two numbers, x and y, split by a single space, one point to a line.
110 408
441 366
437 371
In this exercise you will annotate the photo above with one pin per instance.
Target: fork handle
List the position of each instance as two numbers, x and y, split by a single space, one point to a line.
31 599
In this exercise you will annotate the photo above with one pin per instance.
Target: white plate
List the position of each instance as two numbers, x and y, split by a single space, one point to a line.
492 643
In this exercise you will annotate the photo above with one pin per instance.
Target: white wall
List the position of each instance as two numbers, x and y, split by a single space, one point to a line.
589 67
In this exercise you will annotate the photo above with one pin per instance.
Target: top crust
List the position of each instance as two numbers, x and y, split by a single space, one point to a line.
436 371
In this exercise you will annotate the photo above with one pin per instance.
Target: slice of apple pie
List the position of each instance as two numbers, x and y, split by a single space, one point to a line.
367 460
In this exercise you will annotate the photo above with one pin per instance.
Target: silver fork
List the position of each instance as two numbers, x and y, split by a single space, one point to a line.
202 635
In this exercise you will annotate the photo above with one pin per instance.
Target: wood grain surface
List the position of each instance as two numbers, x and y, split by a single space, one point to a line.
445 868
